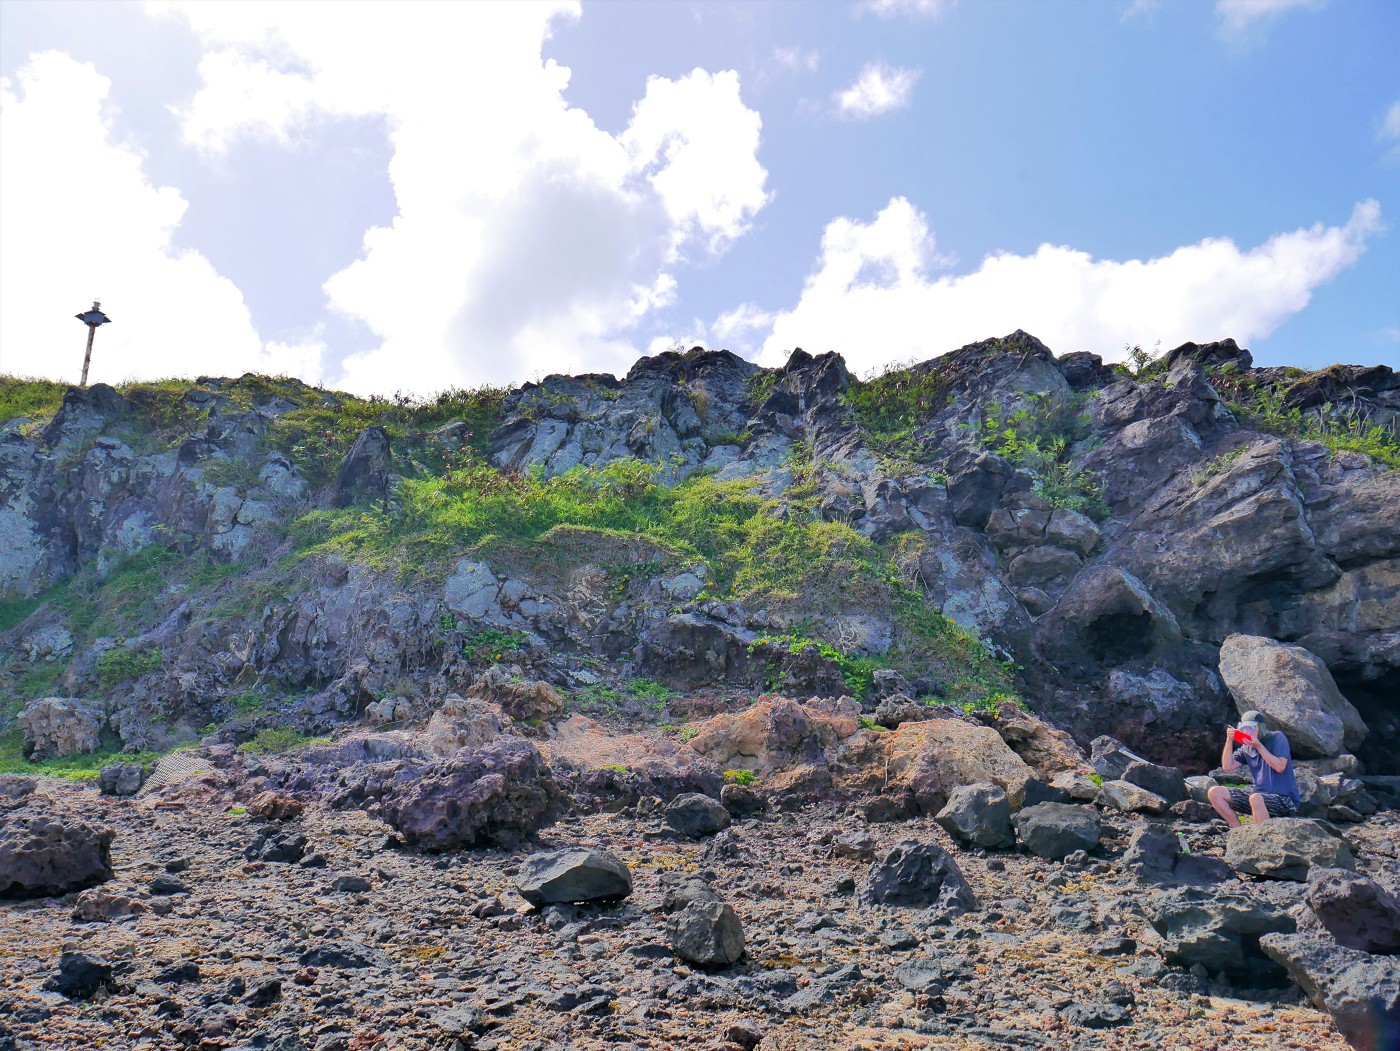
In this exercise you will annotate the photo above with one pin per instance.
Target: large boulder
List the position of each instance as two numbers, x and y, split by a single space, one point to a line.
1293 689
527 701
1165 781
1360 991
497 795
1358 912
696 815
924 762
1286 848
979 816
58 727
1219 930
1122 795
1155 854
121 779
771 735
46 851
573 875
917 875
1057 830
1110 757
707 933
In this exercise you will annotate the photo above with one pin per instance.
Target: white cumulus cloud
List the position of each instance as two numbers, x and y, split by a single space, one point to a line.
81 220
878 89
1236 17
876 296
527 239
903 8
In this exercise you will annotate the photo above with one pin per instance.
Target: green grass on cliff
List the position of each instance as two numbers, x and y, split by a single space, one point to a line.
36 399
778 554
1264 407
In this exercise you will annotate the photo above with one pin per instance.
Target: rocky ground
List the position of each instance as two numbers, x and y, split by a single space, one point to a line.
367 945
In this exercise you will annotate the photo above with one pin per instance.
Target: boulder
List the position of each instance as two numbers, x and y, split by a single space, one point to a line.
696 815
1165 781
275 806
771 735
99 905
1079 787
277 845
707 933
462 723
1358 912
980 816
1122 795
1155 855
573 875
498 795
526 701
80 976
1293 689
1219 930
1110 757
1199 786
1286 848
58 727
926 761
912 874
1360 991
120 779
1056 830
46 851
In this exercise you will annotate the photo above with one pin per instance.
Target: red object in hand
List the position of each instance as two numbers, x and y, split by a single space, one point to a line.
1242 737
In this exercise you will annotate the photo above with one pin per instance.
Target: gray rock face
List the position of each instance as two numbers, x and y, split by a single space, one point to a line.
1219 930
58 727
1122 795
565 877
917 875
1056 830
498 795
707 933
1361 992
696 815
47 851
1286 848
120 779
365 469
1358 912
979 815
1155 855
1294 691
1165 781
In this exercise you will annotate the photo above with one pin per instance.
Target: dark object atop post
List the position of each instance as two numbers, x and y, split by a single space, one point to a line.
91 319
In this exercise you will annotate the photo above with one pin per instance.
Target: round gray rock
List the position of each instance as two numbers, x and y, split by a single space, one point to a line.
707 933
978 815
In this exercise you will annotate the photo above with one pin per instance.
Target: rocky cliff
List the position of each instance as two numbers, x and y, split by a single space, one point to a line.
228 557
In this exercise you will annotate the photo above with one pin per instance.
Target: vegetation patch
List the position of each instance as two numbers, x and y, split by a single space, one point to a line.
121 664
278 739
1263 405
1042 438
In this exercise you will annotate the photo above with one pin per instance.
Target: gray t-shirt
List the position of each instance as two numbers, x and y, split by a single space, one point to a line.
1265 777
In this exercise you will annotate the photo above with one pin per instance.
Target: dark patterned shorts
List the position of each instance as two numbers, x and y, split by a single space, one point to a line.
1278 806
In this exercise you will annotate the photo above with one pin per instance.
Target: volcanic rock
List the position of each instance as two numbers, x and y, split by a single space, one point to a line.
573 875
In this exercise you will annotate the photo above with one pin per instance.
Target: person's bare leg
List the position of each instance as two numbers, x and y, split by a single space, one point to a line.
1258 808
1219 797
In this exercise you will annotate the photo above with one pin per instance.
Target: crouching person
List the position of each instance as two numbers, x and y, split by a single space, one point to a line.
1270 762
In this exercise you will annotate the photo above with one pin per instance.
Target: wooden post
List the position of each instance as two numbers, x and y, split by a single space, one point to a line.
87 358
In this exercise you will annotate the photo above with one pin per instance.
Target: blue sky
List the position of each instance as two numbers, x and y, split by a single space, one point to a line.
417 196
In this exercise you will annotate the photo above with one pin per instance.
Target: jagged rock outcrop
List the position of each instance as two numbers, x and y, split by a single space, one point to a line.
1114 608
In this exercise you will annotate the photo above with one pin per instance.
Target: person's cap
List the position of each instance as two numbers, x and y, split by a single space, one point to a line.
1252 719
